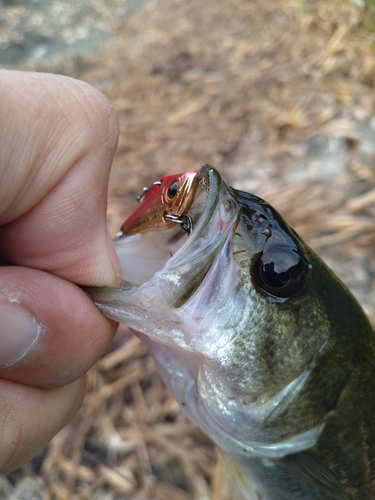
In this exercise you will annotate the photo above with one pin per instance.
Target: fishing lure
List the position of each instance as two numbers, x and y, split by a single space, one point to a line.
164 204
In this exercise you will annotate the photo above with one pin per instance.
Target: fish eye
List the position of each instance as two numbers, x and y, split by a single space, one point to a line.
280 273
172 191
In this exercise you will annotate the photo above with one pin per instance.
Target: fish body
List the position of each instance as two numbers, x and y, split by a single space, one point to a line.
163 204
261 344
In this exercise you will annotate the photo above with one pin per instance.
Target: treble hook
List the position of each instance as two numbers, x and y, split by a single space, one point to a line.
146 190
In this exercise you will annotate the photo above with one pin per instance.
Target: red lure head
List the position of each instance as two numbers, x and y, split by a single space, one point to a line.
170 195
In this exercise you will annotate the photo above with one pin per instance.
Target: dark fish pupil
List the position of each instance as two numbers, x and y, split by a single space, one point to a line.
273 278
172 191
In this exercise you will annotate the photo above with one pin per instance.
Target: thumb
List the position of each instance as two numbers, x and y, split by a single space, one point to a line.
51 333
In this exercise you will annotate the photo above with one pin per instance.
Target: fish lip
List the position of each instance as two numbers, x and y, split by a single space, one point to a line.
211 180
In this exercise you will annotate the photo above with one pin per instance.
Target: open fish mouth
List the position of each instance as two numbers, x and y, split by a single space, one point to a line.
164 269
143 255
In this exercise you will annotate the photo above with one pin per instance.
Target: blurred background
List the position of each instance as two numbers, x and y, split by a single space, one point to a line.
279 96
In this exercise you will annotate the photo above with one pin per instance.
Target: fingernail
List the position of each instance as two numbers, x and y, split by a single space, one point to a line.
19 331
114 258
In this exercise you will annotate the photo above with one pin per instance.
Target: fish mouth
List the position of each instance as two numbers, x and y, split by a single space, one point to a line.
143 255
172 277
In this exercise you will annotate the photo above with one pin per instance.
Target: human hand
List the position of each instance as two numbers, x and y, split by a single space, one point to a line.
57 140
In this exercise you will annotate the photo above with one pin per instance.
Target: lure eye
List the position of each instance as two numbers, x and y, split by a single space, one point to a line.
280 273
172 191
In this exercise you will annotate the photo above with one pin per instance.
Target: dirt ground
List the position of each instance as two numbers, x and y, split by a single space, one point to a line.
279 96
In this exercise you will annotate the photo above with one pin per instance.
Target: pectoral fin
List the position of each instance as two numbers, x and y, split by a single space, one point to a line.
314 471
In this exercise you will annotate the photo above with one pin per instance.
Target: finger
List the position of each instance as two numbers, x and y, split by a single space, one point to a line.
51 333
55 156
31 417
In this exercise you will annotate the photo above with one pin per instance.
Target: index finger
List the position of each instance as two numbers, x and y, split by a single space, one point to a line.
56 151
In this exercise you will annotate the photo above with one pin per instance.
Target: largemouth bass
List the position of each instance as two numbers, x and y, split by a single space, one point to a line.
260 343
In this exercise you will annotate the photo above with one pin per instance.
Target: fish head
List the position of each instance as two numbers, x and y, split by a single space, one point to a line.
234 317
